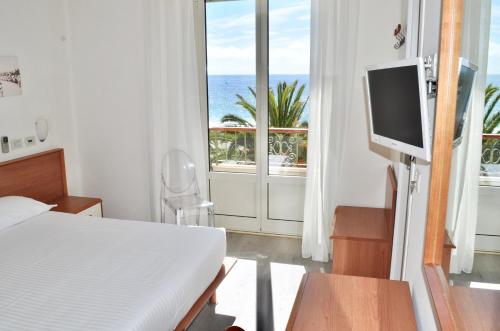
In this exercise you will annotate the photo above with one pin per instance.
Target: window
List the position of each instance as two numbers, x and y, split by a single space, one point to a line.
289 51
490 158
237 77
231 81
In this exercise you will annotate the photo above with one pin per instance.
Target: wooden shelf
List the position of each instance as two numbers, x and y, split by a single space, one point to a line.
339 302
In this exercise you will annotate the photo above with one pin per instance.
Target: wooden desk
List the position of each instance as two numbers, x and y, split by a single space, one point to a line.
362 244
477 309
338 302
362 223
362 237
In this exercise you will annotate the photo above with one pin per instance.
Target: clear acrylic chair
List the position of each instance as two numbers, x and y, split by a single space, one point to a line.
180 191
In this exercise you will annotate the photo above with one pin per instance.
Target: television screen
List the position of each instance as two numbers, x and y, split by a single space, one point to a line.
397 101
465 81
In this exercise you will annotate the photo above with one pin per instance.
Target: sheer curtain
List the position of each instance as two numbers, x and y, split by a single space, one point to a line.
463 197
176 119
334 25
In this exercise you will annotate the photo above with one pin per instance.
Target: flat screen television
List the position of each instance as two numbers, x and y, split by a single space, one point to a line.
466 78
397 102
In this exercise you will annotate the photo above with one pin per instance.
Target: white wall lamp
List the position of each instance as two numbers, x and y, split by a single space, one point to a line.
42 128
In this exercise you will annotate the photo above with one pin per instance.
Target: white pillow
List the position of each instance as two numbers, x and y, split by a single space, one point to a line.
14 210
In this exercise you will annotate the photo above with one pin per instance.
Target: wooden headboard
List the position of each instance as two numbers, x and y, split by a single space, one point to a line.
40 176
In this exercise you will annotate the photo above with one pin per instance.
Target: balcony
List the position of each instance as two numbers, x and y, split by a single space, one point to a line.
488 225
232 149
490 157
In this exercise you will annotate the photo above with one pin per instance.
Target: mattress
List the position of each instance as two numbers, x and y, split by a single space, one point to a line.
71 272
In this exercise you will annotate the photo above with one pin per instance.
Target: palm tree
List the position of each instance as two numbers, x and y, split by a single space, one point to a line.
491 119
285 107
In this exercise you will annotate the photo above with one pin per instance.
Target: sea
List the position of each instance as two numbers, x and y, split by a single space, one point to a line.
222 91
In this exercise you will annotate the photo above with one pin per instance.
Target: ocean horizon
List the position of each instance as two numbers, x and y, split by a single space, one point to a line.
222 91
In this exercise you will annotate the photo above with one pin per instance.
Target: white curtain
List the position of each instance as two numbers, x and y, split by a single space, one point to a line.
176 117
334 25
464 181
463 197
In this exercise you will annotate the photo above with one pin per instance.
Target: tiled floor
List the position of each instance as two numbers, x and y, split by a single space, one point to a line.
486 270
259 292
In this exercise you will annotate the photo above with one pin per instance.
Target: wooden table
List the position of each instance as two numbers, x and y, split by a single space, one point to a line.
341 302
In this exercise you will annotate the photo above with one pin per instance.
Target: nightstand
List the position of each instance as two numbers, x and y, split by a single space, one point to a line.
79 205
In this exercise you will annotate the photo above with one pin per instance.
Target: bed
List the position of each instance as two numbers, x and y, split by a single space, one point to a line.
70 272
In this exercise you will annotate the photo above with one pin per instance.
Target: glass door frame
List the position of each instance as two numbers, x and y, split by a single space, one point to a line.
262 223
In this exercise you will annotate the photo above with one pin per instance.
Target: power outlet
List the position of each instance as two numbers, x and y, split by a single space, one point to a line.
30 141
16 143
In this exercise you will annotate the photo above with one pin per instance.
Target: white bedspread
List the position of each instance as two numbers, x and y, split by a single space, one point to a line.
69 272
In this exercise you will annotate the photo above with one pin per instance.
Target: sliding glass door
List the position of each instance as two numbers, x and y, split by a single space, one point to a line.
257 67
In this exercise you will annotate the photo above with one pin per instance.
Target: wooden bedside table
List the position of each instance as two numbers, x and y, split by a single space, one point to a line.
79 205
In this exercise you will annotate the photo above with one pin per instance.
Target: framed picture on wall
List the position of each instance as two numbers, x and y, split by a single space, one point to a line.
10 76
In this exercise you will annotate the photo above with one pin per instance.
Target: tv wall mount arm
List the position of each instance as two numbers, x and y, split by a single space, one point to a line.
431 74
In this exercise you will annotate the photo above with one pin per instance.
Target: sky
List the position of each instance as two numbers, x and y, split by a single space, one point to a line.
494 50
231 37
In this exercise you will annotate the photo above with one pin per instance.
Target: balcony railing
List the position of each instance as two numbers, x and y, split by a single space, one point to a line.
236 146
490 157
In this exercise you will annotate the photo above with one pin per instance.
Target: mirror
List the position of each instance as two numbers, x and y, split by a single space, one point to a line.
472 252
463 177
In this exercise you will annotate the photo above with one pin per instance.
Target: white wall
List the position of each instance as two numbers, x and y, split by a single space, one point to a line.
97 98
402 172
34 31
107 42
428 44
364 177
